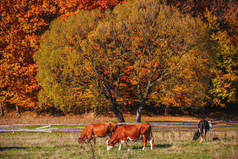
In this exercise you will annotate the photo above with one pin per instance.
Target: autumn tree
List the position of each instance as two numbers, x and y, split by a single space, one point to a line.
110 58
158 42
221 19
21 25
62 73
224 81
75 6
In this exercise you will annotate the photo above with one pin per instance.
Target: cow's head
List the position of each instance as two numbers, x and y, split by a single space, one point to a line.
112 127
80 141
110 144
112 141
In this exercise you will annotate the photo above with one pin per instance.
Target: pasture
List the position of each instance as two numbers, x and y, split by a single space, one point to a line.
173 143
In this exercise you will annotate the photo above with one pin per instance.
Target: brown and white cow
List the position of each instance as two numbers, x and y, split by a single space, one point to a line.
91 131
124 133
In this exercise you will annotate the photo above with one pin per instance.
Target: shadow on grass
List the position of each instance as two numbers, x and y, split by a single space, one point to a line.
155 146
162 122
163 145
10 148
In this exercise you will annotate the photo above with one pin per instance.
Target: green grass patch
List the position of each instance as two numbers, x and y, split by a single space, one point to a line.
168 145
67 126
32 126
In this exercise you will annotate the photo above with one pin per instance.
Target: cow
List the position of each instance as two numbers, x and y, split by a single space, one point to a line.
91 131
124 133
203 127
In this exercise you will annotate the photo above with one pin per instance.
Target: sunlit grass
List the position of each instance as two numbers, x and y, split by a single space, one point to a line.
168 144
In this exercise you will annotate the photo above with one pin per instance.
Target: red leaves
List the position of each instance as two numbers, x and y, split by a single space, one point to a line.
68 8
22 23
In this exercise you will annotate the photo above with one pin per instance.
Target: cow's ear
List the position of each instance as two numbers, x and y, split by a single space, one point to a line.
110 126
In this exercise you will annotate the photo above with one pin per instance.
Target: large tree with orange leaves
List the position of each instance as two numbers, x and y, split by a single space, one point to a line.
22 23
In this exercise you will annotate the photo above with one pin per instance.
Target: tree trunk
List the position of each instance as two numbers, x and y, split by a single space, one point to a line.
139 110
138 114
17 110
165 110
118 114
1 111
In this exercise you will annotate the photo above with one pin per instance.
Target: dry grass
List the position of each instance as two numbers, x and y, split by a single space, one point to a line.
168 144
33 118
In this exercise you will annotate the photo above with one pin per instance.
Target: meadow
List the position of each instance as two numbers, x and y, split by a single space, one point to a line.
168 144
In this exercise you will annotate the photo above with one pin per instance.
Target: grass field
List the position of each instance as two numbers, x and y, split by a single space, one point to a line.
172 144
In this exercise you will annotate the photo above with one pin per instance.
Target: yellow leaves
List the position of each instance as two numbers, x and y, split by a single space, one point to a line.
178 89
169 101
223 88
212 20
217 101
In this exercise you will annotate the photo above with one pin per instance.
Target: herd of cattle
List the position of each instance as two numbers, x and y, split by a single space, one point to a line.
126 132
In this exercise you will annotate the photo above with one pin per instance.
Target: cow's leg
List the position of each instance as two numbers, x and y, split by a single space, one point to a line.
145 141
151 141
203 135
151 144
201 138
94 140
128 148
120 145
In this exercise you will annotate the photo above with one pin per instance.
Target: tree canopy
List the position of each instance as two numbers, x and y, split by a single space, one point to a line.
145 44
117 55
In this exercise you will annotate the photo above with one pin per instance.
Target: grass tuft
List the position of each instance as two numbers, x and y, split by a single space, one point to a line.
168 144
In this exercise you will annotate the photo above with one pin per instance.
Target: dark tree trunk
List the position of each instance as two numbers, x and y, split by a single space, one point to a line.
118 114
166 110
17 110
1 110
139 110
138 114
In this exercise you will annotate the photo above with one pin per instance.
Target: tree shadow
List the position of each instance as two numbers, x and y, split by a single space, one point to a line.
10 148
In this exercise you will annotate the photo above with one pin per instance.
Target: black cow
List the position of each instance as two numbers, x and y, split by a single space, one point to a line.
203 127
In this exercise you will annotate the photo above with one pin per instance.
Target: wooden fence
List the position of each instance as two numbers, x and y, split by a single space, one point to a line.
156 126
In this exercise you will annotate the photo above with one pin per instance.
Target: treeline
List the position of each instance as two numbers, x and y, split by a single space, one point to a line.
116 55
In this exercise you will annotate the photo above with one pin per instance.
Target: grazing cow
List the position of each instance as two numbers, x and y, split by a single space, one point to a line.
131 132
203 127
91 131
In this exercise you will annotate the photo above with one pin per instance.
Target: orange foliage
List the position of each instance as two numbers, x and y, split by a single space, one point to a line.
68 8
178 89
169 101
21 25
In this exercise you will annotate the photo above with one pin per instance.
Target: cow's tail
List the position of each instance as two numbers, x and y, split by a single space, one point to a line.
196 135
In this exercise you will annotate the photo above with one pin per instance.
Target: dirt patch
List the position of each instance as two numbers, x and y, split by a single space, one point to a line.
33 118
